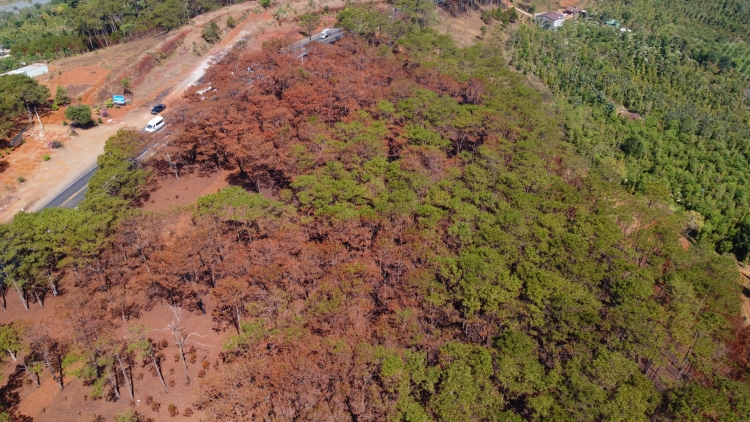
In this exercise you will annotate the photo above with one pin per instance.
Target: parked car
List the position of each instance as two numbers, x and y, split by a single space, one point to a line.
324 33
158 108
155 124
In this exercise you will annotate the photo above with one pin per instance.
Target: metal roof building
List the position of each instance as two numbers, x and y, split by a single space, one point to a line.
31 70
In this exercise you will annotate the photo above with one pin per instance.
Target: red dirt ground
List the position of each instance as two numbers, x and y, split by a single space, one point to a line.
168 192
48 403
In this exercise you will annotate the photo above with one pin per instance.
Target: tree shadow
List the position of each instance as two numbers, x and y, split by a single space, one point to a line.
11 397
242 180
4 165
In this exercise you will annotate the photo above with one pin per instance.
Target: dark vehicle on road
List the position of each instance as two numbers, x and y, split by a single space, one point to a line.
158 108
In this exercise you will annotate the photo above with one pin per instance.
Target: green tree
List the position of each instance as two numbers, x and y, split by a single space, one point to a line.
129 416
231 23
634 147
125 82
211 33
308 22
18 95
79 114
61 96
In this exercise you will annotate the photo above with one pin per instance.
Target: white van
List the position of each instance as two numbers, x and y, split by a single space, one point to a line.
155 124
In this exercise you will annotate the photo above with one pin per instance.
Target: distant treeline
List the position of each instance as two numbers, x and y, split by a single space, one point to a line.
691 144
65 27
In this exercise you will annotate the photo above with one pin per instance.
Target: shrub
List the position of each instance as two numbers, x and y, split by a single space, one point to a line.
54 107
173 410
99 120
61 96
80 114
65 123
265 3
21 179
187 412
46 157
201 373
55 145
109 103
206 364
211 33
125 85
128 416
155 407
231 23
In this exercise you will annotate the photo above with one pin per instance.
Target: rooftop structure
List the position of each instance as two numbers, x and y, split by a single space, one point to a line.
31 70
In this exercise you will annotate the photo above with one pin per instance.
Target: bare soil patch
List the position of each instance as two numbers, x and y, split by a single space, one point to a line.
48 403
168 192
464 29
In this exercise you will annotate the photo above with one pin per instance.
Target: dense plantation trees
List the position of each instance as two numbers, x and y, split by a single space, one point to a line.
431 249
63 28
685 135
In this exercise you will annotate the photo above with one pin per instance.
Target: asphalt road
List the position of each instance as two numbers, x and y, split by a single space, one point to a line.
73 194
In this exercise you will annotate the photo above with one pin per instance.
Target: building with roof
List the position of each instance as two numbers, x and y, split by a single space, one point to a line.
613 23
549 20
31 70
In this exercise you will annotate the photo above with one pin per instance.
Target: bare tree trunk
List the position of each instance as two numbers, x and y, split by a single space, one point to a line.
127 377
115 385
34 376
184 363
158 371
12 355
52 284
38 300
21 293
237 318
48 362
174 167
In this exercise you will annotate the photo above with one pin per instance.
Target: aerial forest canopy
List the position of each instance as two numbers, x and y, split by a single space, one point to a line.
65 27
433 248
435 251
679 82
